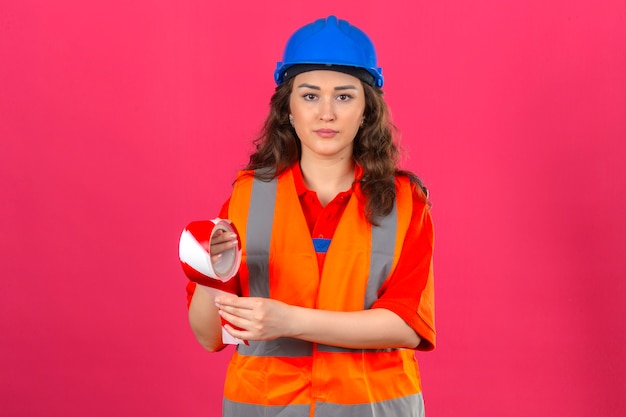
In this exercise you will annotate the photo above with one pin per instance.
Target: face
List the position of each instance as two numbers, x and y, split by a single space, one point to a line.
327 111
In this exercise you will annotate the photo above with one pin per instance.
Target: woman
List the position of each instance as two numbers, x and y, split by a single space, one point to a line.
335 289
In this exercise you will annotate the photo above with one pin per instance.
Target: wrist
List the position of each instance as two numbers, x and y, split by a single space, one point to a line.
292 321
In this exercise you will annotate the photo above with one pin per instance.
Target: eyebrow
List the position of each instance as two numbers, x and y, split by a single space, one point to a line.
338 88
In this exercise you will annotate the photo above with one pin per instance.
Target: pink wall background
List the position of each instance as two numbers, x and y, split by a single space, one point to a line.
121 121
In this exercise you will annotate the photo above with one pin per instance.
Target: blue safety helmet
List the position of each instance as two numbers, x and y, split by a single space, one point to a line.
334 43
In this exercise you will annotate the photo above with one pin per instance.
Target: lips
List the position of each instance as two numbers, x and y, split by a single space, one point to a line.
326 133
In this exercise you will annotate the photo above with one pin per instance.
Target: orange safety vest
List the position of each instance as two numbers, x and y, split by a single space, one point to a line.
291 377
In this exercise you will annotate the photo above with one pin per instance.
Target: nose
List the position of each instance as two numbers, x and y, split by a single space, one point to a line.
327 110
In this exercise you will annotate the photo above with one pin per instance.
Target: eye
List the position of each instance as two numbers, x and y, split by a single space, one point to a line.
344 97
309 96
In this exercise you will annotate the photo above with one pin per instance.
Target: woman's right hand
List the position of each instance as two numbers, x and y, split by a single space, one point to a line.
220 242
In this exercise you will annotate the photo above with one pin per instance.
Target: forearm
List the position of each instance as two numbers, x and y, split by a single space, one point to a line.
369 329
256 318
204 320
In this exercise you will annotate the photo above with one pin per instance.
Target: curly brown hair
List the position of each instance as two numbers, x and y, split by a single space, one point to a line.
374 149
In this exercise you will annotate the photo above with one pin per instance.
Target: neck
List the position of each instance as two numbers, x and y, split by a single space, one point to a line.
328 177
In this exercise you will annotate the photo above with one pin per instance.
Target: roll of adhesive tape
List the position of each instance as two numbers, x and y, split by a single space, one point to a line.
196 260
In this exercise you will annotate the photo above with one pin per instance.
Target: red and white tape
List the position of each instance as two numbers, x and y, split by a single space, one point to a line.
196 260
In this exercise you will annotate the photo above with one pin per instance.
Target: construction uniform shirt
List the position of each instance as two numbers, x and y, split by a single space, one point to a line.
408 291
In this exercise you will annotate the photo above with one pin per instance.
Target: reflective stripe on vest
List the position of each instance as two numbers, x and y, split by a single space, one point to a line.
288 347
383 245
233 408
259 233
410 406
391 408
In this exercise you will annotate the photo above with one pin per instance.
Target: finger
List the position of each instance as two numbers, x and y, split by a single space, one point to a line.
220 238
234 302
223 300
239 334
231 311
223 237
235 319
217 248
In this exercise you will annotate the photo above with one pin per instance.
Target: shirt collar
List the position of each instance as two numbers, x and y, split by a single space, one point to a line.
301 187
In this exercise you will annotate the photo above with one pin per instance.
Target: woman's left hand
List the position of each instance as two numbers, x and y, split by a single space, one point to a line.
254 318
